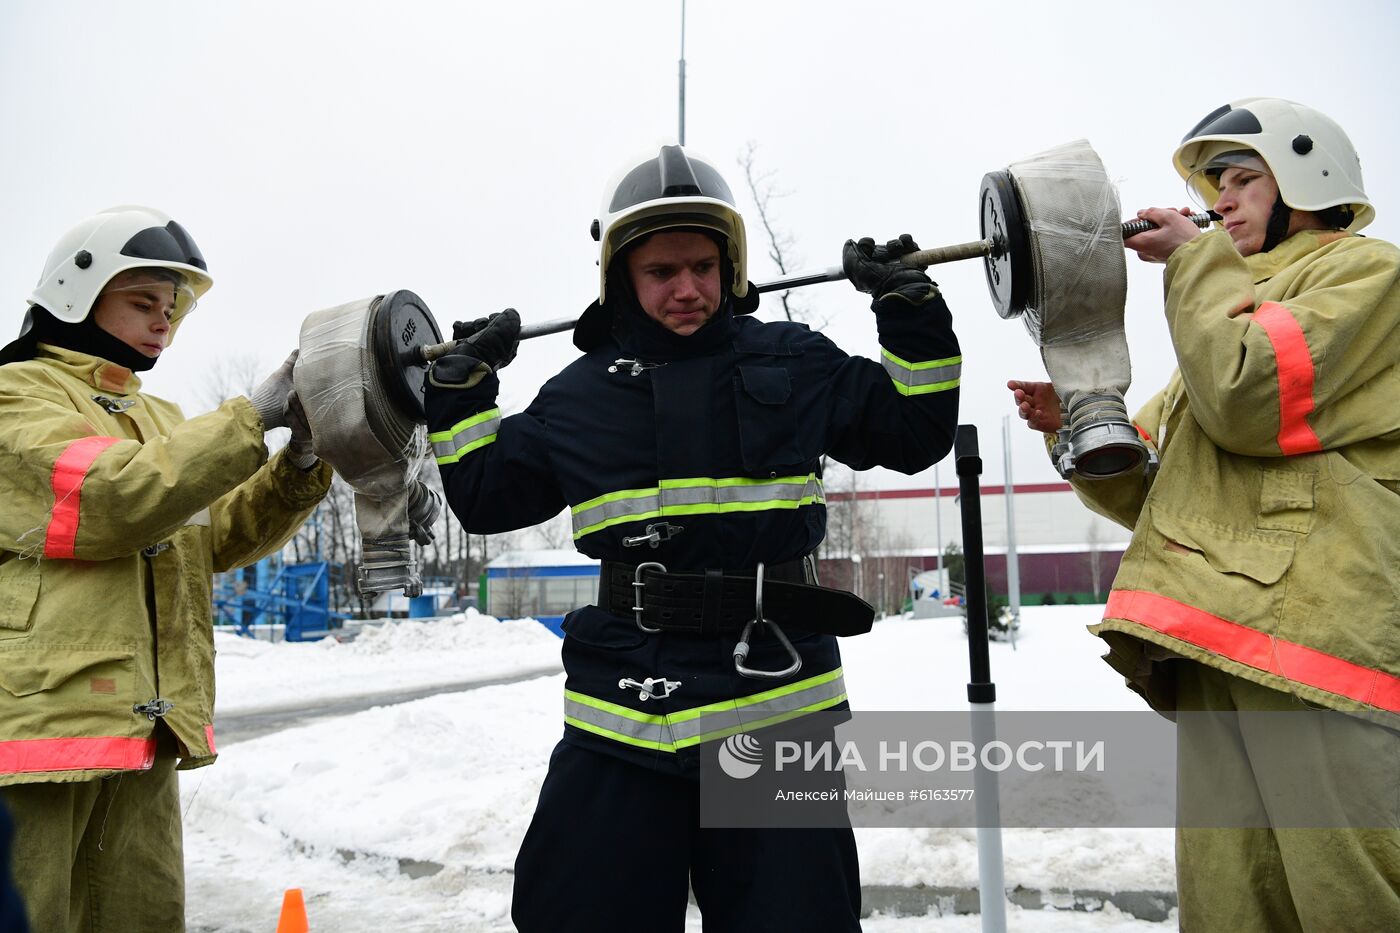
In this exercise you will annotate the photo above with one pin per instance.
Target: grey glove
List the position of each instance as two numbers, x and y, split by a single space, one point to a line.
878 271
301 447
270 397
423 509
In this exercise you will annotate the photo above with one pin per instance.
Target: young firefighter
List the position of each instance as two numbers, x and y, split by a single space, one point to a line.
689 435
117 511
1264 570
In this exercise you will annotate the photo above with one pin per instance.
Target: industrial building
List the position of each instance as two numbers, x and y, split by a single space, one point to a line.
879 539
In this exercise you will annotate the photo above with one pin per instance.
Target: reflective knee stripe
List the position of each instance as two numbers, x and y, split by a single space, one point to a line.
465 436
696 496
672 732
921 378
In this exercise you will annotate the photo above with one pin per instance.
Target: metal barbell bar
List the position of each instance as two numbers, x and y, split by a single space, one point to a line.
995 247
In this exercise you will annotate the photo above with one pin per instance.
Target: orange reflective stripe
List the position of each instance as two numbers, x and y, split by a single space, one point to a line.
209 737
1295 378
69 471
1256 649
25 756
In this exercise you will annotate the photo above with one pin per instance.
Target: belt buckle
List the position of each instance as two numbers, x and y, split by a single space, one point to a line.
637 587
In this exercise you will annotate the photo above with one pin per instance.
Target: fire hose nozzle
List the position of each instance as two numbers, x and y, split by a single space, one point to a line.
1098 440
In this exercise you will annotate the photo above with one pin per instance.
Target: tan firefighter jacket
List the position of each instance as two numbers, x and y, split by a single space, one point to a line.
1268 544
115 513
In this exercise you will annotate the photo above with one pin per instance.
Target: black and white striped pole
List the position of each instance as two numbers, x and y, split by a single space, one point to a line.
981 692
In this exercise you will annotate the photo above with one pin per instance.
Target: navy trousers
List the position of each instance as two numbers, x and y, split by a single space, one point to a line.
614 846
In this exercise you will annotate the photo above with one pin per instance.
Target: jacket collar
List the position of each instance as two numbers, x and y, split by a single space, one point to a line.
95 371
639 335
1265 266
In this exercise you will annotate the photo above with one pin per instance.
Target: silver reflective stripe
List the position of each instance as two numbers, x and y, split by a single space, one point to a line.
465 436
648 732
922 378
630 505
695 496
670 732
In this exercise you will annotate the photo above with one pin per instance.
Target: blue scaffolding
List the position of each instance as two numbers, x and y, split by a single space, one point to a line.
271 592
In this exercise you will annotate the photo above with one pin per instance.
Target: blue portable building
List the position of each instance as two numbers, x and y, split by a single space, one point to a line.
543 585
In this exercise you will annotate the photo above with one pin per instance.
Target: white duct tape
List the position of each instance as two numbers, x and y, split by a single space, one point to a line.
1074 230
364 438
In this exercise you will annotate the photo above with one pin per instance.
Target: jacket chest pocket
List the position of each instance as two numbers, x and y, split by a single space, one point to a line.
768 424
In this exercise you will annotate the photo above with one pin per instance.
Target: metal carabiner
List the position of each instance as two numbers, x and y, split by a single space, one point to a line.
637 587
741 648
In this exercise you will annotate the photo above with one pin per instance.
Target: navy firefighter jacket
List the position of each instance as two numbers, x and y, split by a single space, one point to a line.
721 435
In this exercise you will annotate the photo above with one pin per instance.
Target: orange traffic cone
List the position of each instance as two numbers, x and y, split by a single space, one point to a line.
293 919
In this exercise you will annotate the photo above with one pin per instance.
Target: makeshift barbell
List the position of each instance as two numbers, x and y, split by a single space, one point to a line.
1051 247
1004 250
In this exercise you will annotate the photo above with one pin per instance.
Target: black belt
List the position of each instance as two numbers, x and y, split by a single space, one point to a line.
712 601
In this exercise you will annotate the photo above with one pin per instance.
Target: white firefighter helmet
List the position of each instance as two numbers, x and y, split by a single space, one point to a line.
1307 153
674 188
95 251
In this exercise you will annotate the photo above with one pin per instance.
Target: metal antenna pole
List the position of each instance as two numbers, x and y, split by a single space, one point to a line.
981 692
682 103
938 533
1013 561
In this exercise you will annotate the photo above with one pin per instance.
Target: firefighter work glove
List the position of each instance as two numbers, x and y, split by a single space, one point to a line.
483 346
299 448
424 506
270 397
877 270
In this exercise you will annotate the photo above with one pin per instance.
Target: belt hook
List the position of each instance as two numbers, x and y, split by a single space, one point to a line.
646 689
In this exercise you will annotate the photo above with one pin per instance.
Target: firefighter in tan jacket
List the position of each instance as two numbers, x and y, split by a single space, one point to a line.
117 511
1264 569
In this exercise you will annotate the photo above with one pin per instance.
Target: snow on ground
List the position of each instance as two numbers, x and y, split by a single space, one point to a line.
254 675
922 664
408 817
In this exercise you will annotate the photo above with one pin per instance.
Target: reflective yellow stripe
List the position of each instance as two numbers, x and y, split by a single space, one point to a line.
465 436
695 496
922 378
684 728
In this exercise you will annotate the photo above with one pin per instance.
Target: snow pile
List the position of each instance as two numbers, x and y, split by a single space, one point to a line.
393 655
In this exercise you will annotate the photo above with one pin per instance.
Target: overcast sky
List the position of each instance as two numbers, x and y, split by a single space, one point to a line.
321 152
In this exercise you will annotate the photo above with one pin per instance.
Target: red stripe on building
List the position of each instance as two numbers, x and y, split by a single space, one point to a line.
868 495
1295 378
1248 646
27 756
69 471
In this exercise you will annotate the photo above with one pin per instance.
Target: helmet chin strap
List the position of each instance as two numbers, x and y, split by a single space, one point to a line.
1277 230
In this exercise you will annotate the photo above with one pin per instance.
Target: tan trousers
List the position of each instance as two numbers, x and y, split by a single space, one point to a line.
1275 880
101 856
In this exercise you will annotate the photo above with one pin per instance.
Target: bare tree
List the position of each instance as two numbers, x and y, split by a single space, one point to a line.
556 534
780 242
229 376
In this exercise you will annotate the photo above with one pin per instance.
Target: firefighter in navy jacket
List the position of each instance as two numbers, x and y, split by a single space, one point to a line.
689 435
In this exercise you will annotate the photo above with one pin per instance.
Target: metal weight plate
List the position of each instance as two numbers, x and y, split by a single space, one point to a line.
1009 267
402 323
